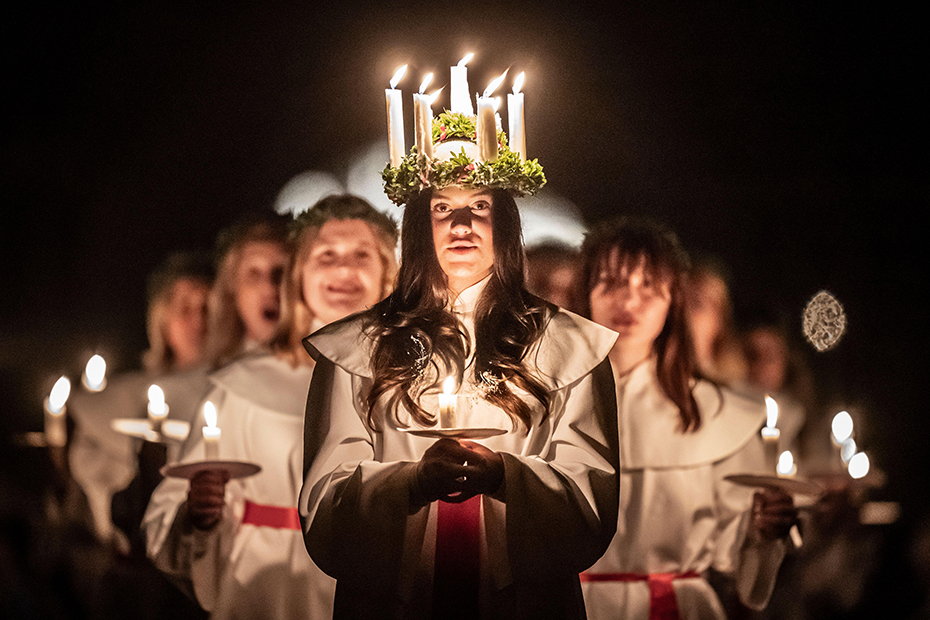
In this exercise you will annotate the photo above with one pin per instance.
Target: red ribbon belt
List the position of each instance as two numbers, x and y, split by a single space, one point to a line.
662 602
281 517
456 574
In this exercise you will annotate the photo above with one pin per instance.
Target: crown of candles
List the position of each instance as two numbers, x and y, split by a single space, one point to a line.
460 146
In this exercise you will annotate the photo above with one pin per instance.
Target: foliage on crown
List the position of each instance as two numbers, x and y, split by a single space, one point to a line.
415 172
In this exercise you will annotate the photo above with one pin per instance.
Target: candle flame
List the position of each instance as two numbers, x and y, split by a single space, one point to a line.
156 395
771 412
426 82
95 373
518 83
465 60
859 465
209 414
495 84
842 427
398 76
59 395
785 463
434 97
448 385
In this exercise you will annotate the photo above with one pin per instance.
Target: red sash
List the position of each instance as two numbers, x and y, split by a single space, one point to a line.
280 517
662 602
457 569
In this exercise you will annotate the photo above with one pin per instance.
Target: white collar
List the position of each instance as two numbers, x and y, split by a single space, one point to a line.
467 299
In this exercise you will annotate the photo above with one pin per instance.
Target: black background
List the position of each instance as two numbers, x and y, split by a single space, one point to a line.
783 137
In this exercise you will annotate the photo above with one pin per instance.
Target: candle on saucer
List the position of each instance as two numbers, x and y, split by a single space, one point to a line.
447 401
56 430
211 433
770 434
157 408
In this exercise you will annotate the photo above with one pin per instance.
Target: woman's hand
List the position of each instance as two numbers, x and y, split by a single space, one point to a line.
773 514
455 471
206 498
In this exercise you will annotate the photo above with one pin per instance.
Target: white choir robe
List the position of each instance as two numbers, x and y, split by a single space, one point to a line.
678 515
552 517
104 461
240 570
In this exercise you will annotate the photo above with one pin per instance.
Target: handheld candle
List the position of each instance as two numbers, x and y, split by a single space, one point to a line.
94 378
157 408
770 434
56 431
447 402
211 433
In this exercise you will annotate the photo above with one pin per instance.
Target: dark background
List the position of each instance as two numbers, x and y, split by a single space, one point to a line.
781 137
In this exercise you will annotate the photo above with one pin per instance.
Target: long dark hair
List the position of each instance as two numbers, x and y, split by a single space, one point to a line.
642 239
417 336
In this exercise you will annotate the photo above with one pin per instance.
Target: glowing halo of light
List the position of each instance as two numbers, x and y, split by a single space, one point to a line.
95 374
59 394
841 427
858 465
304 190
848 450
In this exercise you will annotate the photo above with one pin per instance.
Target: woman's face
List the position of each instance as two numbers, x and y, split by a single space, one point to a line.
343 273
628 299
258 282
186 320
462 234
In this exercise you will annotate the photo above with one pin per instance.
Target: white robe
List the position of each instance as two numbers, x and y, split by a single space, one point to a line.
677 513
552 517
104 461
241 570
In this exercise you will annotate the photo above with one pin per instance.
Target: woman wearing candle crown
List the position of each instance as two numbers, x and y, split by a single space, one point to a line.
415 526
236 544
680 436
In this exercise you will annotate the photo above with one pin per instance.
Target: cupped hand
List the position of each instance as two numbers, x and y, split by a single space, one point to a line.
455 471
773 513
206 498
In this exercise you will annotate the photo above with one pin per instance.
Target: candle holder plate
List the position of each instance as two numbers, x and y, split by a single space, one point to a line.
235 469
792 486
455 433
171 430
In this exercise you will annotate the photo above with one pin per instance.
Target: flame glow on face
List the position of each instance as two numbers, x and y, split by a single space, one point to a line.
398 76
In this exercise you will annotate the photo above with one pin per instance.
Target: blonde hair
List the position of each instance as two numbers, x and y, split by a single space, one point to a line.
160 358
225 328
296 317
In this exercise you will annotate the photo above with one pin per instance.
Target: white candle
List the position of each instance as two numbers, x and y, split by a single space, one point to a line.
461 101
395 118
158 408
487 121
770 434
95 374
447 401
211 433
423 119
56 430
786 467
515 118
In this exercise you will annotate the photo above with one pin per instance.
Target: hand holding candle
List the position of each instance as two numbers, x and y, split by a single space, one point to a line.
395 118
56 430
157 408
211 433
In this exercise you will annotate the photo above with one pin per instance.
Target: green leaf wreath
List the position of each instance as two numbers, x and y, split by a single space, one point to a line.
415 173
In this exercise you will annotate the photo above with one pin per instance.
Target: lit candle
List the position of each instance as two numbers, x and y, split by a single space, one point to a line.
848 450
487 121
786 467
858 465
515 118
395 118
447 404
770 434
56 430
211 433
841 430
423 119
95 374
461 100
158 408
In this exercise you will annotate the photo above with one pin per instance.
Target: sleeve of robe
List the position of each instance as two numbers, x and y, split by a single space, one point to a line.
753 564
560 506
192 559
